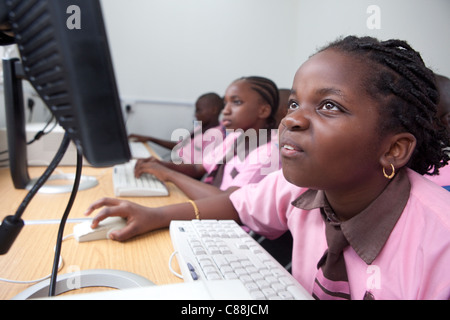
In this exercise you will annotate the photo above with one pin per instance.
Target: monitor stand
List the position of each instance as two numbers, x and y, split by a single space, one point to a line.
63 183
13 74
116 279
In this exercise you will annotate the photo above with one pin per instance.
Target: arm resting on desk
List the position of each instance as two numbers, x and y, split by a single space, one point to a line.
193 188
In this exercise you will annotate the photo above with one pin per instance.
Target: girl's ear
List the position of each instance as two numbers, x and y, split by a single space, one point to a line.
264 111
399 150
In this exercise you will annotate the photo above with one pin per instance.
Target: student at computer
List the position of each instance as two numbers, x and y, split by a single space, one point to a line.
207 111
362 113
443 114
246 155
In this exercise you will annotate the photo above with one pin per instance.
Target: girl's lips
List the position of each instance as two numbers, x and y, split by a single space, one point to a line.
226 122
290 149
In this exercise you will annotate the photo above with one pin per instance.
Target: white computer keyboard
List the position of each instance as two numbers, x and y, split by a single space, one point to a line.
210 250
138 150
127 185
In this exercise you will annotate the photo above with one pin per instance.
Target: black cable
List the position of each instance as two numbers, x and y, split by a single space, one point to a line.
39 134
43 178
42 132
13 224
62 224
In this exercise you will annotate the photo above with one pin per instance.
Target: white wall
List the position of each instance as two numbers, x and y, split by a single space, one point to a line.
179 49
423 23
174 50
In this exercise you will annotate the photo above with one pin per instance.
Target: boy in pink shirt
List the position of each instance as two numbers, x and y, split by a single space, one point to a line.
358 137
190 148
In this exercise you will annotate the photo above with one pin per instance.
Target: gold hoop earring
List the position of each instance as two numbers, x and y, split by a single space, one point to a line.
391 175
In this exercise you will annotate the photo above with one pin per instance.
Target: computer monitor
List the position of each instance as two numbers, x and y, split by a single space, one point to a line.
65 56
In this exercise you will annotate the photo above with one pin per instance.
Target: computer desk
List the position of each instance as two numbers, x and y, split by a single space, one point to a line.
31 256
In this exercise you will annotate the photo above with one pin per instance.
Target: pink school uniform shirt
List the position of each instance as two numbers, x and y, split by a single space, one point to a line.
240 171
413 263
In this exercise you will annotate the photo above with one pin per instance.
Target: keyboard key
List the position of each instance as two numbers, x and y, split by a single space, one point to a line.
240 272
198 250
256 276
257 295
278 287
213 276
251 286
269 292
271 279
231 258
262 284
213 250
296 292
241 246
245 279
285 295
220 260
286 281
257 263
206 263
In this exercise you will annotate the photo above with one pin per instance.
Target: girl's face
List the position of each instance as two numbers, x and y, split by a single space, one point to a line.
329 138
244 108
204 112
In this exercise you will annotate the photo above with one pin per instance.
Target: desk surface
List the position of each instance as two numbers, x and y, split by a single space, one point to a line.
31 256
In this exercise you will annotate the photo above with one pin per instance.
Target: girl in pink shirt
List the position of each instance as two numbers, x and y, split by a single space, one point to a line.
360 132
251 105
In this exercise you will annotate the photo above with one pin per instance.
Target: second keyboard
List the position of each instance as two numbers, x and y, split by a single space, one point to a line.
127 185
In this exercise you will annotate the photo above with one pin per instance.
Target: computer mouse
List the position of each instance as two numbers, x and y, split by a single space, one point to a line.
83 231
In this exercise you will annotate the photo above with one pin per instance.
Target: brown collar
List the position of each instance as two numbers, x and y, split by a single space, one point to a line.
368 231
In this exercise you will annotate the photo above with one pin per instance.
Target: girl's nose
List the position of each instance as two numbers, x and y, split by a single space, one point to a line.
226 109
295 120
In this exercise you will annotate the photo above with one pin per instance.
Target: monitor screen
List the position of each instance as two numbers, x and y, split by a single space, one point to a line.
64 54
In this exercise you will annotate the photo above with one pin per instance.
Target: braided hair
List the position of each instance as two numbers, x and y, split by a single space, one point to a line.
408 96
268 91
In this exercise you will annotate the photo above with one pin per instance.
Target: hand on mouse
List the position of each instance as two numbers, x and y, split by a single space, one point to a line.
140 219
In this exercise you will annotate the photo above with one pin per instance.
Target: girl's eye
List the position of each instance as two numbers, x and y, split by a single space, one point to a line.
293 105
330 106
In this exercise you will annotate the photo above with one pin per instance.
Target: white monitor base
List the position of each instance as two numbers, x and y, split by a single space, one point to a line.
117 279
66 185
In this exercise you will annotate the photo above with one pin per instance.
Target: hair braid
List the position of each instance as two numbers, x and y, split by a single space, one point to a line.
408 96
268 91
